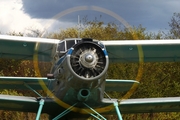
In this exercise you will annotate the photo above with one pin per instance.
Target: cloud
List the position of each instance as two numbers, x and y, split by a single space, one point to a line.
13 19
20 15
151 14
47 9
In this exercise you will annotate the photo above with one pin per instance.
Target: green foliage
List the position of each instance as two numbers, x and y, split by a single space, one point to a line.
68 33
123 71
174 24
98 30
10 67
152 116
159 80
1 73
15 33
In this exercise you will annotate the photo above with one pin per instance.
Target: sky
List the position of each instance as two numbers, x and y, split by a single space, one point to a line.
54 15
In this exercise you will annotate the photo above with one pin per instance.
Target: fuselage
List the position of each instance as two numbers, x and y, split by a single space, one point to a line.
79 69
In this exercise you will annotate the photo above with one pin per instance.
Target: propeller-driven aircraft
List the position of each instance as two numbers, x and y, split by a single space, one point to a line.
77 83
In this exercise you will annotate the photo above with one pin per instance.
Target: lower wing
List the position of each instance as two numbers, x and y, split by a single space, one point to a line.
147 105
142 105
27 104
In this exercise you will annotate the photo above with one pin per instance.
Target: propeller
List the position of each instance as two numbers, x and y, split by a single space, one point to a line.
88 59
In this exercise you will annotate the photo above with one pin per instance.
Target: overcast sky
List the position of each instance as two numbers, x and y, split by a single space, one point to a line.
52 15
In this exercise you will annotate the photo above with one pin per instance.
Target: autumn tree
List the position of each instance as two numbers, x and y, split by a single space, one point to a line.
101 31
174 24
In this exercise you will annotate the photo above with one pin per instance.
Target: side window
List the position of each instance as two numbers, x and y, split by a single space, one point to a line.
70 43
77 41
61 47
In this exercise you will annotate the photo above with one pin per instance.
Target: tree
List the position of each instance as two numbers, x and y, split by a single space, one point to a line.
101 31
174 32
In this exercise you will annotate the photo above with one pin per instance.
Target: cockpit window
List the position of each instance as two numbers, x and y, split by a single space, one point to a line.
65 45
61 47
70 43
77 41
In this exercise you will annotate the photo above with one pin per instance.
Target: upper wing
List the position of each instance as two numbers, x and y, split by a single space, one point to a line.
143 50
119 51
147 105
25 47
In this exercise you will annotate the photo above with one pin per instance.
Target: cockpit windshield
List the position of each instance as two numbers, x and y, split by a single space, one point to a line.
70 43
65 45
61 46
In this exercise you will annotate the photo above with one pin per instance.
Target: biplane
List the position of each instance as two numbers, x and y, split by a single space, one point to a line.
77 83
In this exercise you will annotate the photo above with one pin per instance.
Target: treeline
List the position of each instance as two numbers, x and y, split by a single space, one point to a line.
157 80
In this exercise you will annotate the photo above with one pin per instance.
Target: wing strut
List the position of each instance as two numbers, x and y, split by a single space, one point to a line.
32 89
41 103
94 112
64 113
117 110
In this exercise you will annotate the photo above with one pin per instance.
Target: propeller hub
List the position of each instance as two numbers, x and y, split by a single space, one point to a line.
89 58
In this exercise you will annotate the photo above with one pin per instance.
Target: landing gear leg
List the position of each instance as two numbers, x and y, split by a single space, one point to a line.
41 103
117 110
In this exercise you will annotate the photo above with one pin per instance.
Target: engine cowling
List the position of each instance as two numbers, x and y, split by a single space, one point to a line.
88 60
82 71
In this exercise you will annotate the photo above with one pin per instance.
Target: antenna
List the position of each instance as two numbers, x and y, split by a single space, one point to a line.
79 27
